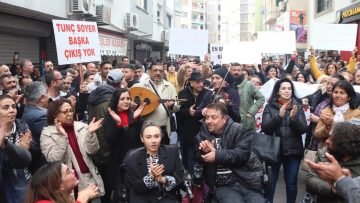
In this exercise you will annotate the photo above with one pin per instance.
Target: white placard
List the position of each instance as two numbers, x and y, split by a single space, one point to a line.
216 53
277 42
76 41
112 46
333 36
188 42
241 52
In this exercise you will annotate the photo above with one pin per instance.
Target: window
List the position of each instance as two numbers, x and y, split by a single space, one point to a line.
142 4
244 9
219 37
201 27
219 27
184 14
219 18
168 19
219 8
201 17
323 5
244 17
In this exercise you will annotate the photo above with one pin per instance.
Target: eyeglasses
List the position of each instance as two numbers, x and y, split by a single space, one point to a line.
67 111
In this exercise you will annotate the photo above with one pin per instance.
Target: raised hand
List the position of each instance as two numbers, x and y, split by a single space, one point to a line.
25 140
328 171
94 125
139 110
282 110
59 128
114 116
353 53
88 194
293 111
312 51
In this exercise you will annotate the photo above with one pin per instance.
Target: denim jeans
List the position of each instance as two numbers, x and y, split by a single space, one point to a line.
188 156
236 193
291 166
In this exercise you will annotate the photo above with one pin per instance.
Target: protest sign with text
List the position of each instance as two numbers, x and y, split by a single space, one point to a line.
76 41
271 42
241 52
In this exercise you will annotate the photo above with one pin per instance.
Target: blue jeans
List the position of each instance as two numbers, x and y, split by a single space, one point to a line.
236 193
291 166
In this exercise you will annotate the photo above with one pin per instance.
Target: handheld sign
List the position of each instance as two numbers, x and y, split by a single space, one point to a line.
76 41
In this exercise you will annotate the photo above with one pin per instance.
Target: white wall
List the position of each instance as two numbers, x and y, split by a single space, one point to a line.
43 6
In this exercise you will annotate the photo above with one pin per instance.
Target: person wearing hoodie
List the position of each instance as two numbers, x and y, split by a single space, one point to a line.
248 94
98 103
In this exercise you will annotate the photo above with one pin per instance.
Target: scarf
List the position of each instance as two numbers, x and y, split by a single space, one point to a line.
73 142
124 116
339 112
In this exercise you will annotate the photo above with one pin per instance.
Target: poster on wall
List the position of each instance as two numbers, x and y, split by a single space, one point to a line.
76 41
112 45
298 23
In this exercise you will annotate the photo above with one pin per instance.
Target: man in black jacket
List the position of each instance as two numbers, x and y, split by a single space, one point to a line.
11 157
188 125
230 169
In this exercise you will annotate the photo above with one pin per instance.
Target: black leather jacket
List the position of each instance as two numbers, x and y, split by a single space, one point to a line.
288 129
235 154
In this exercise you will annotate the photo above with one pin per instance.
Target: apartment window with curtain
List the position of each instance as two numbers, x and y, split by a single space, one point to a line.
142 4
323 5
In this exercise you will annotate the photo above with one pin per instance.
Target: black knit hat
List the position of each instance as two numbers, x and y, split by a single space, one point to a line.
222 72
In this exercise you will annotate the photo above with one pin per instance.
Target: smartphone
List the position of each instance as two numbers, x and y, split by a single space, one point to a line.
16 55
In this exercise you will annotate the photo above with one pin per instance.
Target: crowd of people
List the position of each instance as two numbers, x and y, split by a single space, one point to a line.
75 133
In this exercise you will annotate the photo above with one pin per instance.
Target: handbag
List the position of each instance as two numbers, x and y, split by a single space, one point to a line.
309 154
266 147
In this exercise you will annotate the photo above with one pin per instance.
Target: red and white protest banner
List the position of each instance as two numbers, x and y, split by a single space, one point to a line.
76 41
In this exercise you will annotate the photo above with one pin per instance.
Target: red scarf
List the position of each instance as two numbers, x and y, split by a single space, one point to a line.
70 131
124 116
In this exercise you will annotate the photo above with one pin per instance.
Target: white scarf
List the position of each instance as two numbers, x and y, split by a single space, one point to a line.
339 112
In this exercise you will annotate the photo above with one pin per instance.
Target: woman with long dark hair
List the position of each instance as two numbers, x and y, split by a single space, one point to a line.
121 129
53 183
284 117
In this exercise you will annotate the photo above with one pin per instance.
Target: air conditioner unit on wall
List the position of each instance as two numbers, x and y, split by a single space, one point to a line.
132 21
86 7
103 15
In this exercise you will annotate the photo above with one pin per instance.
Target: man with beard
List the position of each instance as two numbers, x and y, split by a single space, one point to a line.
8 83
166 91
231 170
187 124
251 98
344 144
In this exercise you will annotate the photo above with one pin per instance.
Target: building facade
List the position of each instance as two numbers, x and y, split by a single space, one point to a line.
139 28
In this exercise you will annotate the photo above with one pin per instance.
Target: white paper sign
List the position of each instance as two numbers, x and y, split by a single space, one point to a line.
112 46
216 51
76 41
333 36
188 42
277 42
241 52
